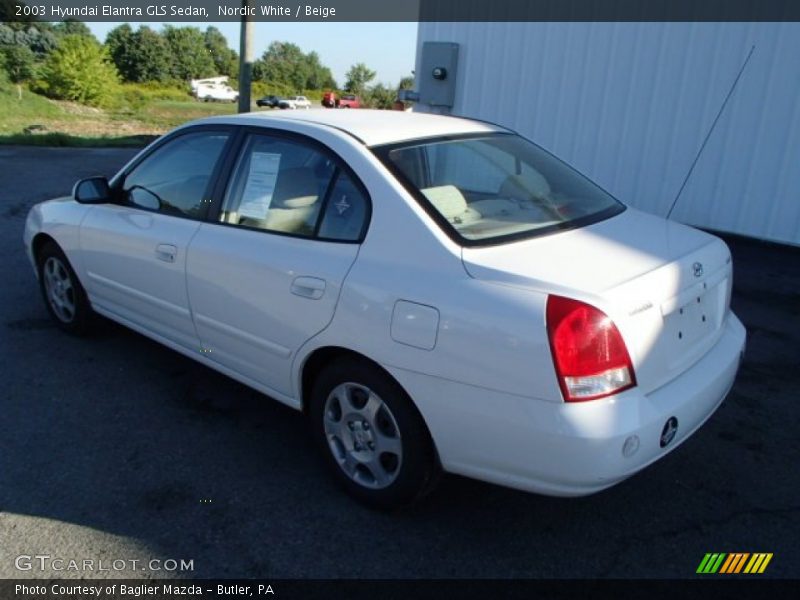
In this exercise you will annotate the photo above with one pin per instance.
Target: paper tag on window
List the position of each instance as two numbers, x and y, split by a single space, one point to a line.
260 186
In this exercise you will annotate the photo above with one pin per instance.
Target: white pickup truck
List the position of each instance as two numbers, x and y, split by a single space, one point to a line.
295 102
216 92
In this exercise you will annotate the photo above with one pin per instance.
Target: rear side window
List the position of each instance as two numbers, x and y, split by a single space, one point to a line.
345 212
288 186
489 188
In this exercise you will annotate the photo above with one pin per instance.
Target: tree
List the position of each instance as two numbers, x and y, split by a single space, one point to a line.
139 56
406 83
118 44
72 27
319 76
284 63
189 56
38 38
19 63
80 70
225 60
380 96
357 78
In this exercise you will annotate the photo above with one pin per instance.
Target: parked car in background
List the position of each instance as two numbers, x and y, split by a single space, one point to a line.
349 101
294 102
432 292
269 101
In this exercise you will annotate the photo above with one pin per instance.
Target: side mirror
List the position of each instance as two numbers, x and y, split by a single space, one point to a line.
144 198
92 190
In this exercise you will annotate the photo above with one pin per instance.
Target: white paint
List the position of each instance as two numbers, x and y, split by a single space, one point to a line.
478 366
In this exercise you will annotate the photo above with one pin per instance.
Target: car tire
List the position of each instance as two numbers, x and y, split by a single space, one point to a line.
371 435
63 294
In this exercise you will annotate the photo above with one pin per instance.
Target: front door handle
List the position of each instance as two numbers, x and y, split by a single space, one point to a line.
166 252
308 287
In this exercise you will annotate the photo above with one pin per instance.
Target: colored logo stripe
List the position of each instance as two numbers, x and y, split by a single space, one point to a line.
721 562
710 563
758 563
735 562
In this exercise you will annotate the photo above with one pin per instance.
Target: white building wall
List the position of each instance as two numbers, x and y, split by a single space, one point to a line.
630 105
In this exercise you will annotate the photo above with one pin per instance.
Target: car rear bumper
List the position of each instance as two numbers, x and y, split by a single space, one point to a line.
570 449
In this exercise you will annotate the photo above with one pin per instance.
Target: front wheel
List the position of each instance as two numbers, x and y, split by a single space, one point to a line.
371 435
63 293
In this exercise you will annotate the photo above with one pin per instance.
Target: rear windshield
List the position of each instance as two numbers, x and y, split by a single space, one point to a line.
496 187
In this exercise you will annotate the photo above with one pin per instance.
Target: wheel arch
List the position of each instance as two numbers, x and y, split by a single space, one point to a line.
38 242
316 360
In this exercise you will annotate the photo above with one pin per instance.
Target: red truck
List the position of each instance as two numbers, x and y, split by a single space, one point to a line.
330 100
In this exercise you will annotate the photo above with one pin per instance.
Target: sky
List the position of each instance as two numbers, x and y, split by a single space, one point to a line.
388 48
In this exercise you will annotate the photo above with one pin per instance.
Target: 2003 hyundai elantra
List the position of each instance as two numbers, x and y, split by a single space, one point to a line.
434 292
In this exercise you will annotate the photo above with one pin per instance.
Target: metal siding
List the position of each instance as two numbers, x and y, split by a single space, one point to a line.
630 105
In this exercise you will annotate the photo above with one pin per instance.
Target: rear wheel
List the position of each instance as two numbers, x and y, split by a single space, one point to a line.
63 293
371 435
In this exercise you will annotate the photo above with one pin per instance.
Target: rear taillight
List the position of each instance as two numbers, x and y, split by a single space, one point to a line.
589 353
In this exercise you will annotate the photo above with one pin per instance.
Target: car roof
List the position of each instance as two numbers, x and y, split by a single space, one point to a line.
372 127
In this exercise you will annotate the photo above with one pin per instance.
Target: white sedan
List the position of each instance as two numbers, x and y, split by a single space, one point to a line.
434 293
295 102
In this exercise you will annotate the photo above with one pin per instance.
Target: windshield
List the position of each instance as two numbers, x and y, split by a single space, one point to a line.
489 188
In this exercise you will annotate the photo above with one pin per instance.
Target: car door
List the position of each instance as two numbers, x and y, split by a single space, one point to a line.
265 276
135 248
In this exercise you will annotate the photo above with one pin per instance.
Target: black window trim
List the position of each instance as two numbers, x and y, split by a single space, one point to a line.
118 181
381 151
226 173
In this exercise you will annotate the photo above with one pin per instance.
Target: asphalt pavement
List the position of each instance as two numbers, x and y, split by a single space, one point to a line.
114 448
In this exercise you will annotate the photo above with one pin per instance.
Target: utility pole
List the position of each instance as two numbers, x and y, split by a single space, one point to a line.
246 56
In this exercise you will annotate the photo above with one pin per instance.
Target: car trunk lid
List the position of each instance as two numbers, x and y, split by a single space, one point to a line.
665 285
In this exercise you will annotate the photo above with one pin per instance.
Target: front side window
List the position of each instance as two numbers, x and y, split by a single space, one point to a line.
491 187
286 186
174 178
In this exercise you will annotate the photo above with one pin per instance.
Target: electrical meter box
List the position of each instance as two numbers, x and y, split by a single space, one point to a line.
437 74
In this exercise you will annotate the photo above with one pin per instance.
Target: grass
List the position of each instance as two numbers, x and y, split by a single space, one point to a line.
30 119
140 113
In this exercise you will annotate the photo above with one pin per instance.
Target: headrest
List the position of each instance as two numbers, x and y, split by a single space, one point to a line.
447 199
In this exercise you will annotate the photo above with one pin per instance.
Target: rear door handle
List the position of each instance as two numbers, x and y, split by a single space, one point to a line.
308 287
166 252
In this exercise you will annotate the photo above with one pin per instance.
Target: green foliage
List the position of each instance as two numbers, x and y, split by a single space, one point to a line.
39 38
72 27
358 77
80 70
380 96
225 60
406 83
139 56
135 97
286 65
189 55
19 63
